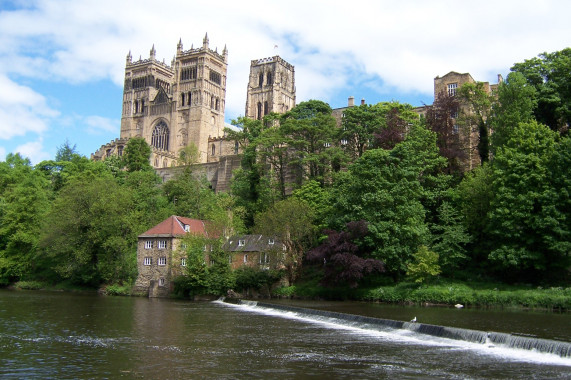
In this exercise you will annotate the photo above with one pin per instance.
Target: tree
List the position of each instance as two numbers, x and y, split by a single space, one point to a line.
396 122
549 74
188 156
529 217
66 152
137 155
344 261
425 265
291 222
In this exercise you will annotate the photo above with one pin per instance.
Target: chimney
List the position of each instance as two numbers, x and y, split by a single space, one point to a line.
351 102
363 101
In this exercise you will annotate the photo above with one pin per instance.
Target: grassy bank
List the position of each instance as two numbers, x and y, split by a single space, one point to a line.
444 293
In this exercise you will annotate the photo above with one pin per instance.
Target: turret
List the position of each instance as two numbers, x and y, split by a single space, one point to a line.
205 41
153 52
129 57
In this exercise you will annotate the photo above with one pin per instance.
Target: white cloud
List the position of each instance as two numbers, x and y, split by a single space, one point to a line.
33 150
98 124
22 110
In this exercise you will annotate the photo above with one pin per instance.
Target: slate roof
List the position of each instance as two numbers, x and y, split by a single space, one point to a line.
175 226
252 243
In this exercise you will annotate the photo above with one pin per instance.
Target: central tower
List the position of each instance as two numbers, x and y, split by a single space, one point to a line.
271 87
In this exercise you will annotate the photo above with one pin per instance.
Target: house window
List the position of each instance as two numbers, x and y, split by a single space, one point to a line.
271 241
183 262
148 261
204 248
183 246
230 259
245 258
186 228
162 261
241 243
162 244
162 281
264 258
148 244
452 89
455 129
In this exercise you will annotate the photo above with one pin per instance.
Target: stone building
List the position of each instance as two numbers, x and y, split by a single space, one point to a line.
173 106
256 251
271 87
159 257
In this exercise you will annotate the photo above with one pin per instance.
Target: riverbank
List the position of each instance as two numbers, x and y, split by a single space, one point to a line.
445 293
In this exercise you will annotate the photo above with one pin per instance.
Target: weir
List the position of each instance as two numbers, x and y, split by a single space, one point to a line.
562 349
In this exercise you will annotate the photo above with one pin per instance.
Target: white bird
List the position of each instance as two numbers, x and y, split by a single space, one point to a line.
458 306
413 320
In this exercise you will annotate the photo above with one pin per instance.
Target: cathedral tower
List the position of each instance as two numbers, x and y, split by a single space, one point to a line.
271 87
173 106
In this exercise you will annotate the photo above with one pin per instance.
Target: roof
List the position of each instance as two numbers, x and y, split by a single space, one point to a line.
251 243
177 226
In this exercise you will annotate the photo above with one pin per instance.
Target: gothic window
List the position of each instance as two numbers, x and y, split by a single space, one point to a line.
142 105
266 108
182 98
188 73
269 80
212 102
215 77
156 162
189 98
136 106
213 149
217 107
165 163
160 137
261 79
120 150
259 111
236 146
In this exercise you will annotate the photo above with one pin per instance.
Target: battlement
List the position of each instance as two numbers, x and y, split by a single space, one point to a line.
144 62
275 58
192 51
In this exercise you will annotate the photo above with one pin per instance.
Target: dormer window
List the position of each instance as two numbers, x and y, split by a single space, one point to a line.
186 228
241 243
271 241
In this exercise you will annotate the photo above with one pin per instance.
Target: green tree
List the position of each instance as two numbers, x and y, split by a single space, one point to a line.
528 217
424 267
549 74
137 155
291 222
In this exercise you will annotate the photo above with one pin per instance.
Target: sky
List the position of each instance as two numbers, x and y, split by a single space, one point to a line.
62 62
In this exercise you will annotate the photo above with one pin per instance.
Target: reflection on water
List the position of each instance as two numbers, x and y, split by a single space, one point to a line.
55 335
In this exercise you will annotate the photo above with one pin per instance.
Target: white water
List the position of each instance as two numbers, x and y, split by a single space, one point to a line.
403 336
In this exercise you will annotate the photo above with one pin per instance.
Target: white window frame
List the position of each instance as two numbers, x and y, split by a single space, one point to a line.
148 260
245 258
186 228
452 87
241 243
162 261
162 281
271 241
183 262
148 244
162 244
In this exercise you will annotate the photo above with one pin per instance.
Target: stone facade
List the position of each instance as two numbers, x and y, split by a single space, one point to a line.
271 87
256 251
174 106
159 257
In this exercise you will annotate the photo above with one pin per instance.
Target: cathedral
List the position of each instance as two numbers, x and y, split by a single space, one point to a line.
174 106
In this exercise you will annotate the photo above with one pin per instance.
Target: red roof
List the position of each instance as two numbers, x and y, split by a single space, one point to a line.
176 226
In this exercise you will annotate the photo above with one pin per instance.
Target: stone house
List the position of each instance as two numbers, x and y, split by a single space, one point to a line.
159 258
256 251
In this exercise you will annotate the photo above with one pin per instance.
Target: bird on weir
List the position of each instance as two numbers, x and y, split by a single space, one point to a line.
413 320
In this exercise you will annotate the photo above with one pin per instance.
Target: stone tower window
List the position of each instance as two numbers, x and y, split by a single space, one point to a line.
259 111
182 99
160 137
236 146
189 98
261 79
452 89
266 108
269 80
213 149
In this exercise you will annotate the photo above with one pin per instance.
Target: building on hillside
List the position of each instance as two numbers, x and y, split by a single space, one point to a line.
159 257
173 106
271 87
256 251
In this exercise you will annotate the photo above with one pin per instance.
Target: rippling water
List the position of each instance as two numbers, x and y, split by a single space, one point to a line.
54 335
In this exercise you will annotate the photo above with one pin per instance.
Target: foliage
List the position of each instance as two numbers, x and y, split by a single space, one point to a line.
291 222
137 155
425 265
117 290
189 155
343 261
529 213
549 75
253 278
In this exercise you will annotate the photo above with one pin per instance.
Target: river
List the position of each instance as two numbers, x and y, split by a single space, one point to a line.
51 335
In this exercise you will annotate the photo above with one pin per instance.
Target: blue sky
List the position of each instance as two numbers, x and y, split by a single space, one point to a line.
62 61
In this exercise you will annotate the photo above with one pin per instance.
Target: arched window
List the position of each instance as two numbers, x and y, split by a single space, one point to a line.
269 81
213 149
259 111
266 108
156 162
189 98
217 108
160 138
165 163
136 106
212 102
236 146
261 79
182 98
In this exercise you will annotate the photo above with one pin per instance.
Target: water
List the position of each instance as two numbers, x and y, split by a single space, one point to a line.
55 335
